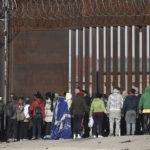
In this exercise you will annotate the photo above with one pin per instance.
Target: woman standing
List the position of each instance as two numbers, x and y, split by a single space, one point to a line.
97 111
61 123
48 113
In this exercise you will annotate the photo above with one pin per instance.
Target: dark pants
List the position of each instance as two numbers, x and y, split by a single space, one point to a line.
105 125
77 124
47 128
37 124
98 121
85 123
21 129
25 129
12 128
1 126
146 123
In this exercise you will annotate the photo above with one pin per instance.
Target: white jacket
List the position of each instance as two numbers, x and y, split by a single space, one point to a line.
115 101
26 111
48 112
69 99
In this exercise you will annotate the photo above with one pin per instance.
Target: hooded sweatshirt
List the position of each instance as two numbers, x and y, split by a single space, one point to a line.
48 112
69 99
97 106
145 101
115 101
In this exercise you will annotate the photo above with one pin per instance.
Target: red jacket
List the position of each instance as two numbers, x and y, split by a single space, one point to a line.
34 104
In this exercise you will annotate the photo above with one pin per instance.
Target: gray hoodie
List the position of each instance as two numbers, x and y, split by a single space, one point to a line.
115 101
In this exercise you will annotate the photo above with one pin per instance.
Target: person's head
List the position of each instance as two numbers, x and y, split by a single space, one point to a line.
38 95
116 90
77 90
98 95
13 96
20 100
28 102
85 92
63 94
132 91
48 95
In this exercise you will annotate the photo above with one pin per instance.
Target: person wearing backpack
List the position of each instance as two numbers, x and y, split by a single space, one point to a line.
20 117
11 114
37 109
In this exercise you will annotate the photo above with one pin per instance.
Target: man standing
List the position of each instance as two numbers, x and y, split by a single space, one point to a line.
11 114
114 106
144 108
77 109
86 114
130 110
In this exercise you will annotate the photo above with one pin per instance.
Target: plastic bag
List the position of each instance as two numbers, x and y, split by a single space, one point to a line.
91 122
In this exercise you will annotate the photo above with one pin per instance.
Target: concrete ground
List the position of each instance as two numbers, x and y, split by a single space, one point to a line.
107 143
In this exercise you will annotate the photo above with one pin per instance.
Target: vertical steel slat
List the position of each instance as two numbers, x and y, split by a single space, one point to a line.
73 62
87 73
129 58
144 60
77 57
122 59
108 62
101 61
80 59
137 58
83 71
115 59
69 68
94 81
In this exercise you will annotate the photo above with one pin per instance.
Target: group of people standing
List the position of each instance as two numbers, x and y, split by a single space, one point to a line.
65 116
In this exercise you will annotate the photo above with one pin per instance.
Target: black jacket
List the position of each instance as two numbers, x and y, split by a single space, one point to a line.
130 103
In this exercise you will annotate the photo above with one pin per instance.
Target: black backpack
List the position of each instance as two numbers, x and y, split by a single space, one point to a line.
38 110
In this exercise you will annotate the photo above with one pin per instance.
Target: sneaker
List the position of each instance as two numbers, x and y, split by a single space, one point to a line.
33 138
15 140
74 136
111 134
100 136
94 136
10 140
78 136
25 139
39 138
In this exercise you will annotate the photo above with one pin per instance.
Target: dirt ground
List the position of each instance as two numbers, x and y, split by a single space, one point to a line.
107 143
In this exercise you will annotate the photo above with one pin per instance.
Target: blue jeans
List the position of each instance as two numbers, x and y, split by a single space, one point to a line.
37 124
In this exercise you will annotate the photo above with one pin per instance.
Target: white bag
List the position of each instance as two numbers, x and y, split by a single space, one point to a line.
91 122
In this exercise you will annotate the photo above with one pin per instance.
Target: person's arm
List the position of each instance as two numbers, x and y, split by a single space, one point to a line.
103 108
140 104
71 108
85 105
108 104
91 109
124 107
31 108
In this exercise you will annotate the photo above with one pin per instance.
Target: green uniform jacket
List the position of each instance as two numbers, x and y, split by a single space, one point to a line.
97 106
78 106
145 100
